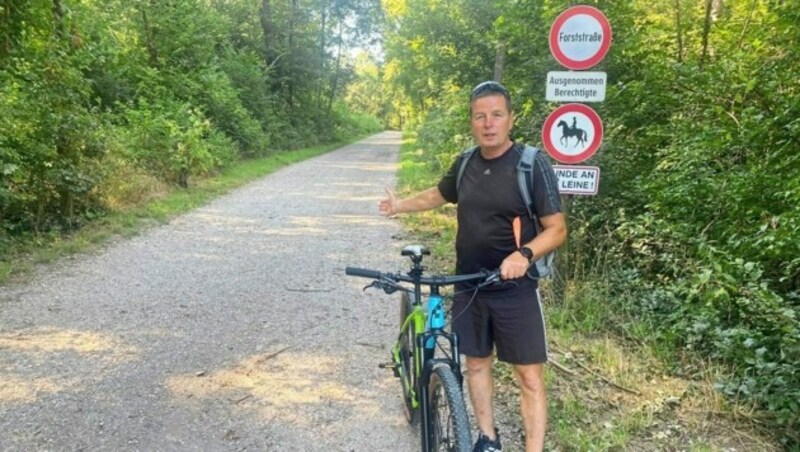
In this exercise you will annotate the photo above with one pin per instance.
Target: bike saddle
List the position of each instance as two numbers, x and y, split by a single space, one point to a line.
415 250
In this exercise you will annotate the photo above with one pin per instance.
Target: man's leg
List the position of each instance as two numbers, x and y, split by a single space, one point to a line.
533 404
480 383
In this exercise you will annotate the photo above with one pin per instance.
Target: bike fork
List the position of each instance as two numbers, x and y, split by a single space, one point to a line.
426 419
424 397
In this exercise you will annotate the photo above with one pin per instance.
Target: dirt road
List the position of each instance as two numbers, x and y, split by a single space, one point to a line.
231 328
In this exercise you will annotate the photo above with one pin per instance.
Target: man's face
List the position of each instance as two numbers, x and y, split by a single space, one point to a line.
491 122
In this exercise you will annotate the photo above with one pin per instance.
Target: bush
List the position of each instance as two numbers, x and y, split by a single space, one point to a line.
173 140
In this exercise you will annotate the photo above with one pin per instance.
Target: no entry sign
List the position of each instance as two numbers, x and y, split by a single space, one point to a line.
580 37
572 133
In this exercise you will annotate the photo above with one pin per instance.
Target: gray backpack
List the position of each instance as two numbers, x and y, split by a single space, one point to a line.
544 264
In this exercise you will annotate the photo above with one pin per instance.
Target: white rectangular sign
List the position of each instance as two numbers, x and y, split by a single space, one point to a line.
568 86
577 180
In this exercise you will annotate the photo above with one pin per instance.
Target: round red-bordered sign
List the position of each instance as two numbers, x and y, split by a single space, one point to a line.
572 133
580 37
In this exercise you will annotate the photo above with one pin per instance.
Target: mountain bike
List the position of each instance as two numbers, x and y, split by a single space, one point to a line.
425 357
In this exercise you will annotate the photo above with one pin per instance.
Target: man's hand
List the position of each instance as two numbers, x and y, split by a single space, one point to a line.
514 266
388 207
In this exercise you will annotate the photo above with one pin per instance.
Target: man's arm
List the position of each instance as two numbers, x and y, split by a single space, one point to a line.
552 235
424 200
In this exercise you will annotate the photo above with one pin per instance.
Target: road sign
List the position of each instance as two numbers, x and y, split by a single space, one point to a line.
568 86
572 133
577 180
580 37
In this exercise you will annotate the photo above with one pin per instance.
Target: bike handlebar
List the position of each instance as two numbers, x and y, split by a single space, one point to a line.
436 280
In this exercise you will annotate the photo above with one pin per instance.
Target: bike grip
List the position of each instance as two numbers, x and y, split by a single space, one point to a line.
363 272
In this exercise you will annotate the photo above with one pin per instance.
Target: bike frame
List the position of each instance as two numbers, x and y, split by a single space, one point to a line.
429 328
427 321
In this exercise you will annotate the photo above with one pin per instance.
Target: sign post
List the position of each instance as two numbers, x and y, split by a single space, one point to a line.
579 39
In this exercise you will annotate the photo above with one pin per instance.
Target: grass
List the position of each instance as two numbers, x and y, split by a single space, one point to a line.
609 381
23 253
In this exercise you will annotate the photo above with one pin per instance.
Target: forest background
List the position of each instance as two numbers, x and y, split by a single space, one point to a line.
693 243
105 104
691 246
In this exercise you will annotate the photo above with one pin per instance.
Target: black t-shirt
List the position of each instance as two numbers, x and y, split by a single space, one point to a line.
488 201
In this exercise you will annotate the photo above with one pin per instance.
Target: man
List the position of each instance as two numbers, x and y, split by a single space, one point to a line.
509 317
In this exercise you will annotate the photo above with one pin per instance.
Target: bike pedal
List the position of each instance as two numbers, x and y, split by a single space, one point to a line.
390 365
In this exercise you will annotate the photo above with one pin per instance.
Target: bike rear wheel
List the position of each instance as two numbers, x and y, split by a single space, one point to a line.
408 377
449 429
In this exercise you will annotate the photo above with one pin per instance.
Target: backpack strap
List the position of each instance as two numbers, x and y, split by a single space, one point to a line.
525 177
544 264
462 164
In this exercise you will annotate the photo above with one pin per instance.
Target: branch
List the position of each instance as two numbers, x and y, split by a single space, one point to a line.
598 375
560 367
595 373
288 289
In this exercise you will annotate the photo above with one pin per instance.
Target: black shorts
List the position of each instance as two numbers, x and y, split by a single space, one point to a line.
511 320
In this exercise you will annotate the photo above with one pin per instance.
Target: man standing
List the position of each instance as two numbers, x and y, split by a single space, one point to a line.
507 318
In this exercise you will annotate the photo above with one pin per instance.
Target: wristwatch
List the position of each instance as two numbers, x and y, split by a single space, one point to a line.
527 252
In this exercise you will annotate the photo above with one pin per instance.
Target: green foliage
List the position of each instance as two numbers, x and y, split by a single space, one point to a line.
105 103
696 228
443 134
172 140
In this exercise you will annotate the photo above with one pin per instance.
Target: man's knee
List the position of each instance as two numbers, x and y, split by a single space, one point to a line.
476 365
531 377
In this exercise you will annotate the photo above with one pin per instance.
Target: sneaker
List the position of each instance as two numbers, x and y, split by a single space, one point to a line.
484 444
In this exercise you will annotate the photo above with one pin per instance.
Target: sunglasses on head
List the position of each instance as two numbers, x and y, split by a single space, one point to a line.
488 87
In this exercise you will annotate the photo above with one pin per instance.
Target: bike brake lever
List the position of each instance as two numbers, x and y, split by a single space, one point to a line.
371 285
492 279
389 289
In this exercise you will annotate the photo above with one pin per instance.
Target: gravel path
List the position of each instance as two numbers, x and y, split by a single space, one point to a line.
231 328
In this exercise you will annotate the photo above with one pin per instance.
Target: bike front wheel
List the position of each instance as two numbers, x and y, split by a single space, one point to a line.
449 429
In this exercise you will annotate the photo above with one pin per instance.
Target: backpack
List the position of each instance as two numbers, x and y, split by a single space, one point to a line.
544 264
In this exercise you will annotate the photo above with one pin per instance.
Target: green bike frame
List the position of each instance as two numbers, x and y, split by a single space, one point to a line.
417 319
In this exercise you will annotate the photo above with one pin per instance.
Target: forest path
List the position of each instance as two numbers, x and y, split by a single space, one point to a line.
231 328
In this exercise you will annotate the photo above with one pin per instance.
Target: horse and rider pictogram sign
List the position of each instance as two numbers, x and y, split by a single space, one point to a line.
572 133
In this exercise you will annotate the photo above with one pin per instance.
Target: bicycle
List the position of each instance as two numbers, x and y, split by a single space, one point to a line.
432 382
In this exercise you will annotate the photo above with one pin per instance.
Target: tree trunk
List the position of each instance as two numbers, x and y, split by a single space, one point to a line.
5 25
64 190
268 29
58 19
716 10
335 80
706 32
499 62
321 62
747 23
292 68
152 51
679 30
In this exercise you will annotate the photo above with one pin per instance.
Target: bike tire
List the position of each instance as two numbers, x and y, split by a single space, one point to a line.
449 429
408 339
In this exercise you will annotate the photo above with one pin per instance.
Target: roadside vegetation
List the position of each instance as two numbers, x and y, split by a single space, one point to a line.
115 111
689 252
25 251
612 385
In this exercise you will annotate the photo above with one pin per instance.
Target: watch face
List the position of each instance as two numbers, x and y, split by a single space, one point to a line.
526 252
